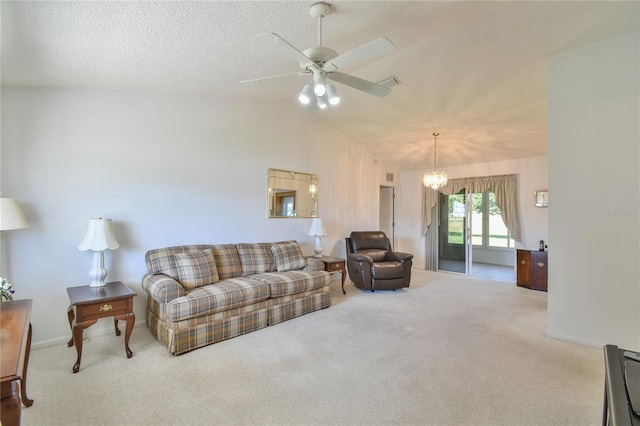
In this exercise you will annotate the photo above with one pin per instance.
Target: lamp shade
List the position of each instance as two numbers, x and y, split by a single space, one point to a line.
11 216
317 229
99 236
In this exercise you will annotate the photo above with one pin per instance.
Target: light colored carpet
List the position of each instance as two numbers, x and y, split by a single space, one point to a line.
450 350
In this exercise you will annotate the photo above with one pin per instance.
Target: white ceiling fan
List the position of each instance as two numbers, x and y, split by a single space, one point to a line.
323 63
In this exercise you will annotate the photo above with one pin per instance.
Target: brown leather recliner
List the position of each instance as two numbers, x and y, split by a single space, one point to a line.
373 265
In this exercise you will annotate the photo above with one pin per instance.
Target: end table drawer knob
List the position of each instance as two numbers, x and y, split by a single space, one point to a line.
105 308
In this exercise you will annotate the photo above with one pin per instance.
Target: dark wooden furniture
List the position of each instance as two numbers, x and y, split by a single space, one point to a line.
617 408
335 264
15 347
88 304
532 269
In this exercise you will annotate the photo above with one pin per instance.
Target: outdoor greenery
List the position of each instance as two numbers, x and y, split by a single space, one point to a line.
456 220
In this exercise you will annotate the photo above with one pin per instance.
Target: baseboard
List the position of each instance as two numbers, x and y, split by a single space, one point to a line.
87 334
570 339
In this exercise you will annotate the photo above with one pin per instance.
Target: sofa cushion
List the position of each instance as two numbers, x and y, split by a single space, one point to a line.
292 282
288 256
227 261
162 260
224 295
256 258
196 269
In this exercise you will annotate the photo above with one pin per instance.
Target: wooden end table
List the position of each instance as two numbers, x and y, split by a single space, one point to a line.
335 264
92 303
15 331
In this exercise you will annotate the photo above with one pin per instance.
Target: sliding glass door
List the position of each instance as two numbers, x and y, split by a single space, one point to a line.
454 248
471 226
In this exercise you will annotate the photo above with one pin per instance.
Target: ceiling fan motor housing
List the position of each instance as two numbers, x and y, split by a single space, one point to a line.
319 55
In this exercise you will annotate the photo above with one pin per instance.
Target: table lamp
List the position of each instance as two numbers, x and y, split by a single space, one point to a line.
99 237
317 230
11 216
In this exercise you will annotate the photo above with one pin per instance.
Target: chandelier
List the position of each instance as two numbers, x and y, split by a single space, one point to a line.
435 179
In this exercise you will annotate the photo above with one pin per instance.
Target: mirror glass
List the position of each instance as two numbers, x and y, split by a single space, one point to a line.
542 198
291 194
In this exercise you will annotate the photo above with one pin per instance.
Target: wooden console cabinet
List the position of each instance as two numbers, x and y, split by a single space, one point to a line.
15 330
532 269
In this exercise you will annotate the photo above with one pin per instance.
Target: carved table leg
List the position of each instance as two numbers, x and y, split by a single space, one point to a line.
71 315
115 324
23 382
131 319
77 339
78 328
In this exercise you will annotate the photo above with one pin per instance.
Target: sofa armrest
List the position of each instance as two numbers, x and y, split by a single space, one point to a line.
314 264
399 256
357 257
162 287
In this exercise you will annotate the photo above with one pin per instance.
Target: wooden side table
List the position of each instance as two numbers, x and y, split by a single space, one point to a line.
335 264
92 303
15 329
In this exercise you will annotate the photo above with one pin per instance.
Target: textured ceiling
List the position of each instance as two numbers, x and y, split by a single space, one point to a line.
473 71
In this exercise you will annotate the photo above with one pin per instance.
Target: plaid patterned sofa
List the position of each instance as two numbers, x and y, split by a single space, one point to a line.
201 294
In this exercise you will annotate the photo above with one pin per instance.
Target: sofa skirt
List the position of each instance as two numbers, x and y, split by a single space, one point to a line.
294 305
186 335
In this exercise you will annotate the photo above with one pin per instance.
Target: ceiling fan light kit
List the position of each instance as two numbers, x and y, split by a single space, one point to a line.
306 95
323 64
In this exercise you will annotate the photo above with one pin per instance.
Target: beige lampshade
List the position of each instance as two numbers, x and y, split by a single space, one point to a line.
99 236
11 216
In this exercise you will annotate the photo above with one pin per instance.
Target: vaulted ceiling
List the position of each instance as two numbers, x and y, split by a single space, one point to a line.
474 71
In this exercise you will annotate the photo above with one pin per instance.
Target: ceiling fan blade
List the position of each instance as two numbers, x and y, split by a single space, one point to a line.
257 81
373 49
360 84
289 50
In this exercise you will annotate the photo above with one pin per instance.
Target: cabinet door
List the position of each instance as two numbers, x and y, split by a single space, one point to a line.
524 268
539 265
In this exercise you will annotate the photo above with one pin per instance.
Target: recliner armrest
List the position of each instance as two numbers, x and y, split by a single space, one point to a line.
357 257
399 256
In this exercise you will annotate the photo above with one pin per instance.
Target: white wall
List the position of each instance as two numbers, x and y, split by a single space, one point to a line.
594 183
532 176
167 170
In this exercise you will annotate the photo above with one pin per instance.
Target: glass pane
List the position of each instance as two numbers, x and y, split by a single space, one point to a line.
457 212
476 219
498 233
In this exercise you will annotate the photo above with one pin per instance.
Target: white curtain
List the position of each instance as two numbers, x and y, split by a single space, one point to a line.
505 188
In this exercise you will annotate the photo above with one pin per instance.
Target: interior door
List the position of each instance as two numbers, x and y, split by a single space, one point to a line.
454 233
387 212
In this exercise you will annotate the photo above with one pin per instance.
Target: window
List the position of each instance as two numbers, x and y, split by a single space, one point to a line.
487 228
